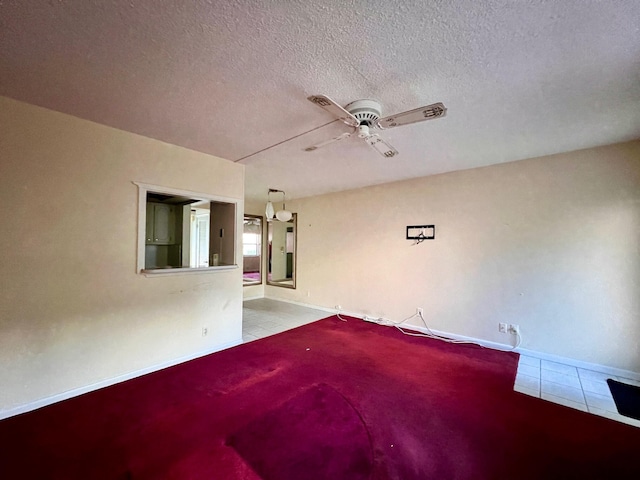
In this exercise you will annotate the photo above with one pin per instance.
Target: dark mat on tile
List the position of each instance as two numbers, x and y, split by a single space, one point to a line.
627 398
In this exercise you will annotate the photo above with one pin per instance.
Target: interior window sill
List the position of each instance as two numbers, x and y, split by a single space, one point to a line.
168 271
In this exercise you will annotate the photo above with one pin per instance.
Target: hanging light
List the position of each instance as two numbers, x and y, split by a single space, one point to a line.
283 215
269 211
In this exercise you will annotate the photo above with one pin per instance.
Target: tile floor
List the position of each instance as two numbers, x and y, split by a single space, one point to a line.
585 390
566 385
263 317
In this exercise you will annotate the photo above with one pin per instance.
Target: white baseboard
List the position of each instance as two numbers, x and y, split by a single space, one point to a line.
618 372
43 402
307 305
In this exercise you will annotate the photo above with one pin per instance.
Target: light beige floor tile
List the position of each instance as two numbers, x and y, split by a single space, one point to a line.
593 375
561 378
264 317
527 391
532 361
597 386
603 402
564 391
529 370
564 401
258 332
526 381
247 337
559 367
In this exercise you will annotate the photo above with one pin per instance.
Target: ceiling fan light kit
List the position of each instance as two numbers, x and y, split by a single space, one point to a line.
364 115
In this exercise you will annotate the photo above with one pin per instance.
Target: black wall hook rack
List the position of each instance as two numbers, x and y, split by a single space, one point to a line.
421 232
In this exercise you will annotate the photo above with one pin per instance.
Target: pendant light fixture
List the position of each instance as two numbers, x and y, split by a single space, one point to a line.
269 211
283 215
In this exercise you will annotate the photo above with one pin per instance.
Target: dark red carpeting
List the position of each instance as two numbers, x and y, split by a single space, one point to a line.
330 400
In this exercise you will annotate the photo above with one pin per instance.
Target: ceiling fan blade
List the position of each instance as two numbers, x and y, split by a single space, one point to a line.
429 112
334 109
381 146
327 142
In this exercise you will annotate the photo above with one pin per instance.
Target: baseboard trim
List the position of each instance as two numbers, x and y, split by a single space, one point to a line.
618 372
542 356
308 305
43 402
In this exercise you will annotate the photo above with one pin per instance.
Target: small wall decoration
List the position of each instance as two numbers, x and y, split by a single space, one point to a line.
420 233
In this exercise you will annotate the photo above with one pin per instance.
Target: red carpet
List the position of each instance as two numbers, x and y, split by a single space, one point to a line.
330 400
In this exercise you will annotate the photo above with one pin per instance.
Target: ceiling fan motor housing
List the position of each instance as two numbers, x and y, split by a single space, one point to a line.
367 111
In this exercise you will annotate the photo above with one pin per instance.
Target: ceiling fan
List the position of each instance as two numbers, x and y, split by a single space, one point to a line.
364 116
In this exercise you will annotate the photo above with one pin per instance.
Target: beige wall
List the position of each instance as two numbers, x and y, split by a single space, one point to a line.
550 244
73 310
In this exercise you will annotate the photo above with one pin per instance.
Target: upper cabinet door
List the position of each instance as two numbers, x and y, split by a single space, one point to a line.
161 224
149 230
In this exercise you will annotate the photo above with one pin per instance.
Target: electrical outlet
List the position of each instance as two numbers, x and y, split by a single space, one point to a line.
419 311
338 307
205 330
514 329
502 327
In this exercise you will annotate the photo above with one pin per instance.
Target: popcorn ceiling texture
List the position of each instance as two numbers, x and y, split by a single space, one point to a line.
520 78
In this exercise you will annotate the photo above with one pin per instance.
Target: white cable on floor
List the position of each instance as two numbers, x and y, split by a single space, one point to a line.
338 314
430 334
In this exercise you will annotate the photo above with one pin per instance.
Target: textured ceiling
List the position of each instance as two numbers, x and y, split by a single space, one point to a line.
519 78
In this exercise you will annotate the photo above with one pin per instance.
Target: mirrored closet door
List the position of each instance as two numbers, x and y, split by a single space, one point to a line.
281 248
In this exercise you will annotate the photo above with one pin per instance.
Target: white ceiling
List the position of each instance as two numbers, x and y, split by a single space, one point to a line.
519 78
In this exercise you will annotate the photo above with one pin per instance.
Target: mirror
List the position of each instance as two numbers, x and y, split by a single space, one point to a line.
252 250
281 266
